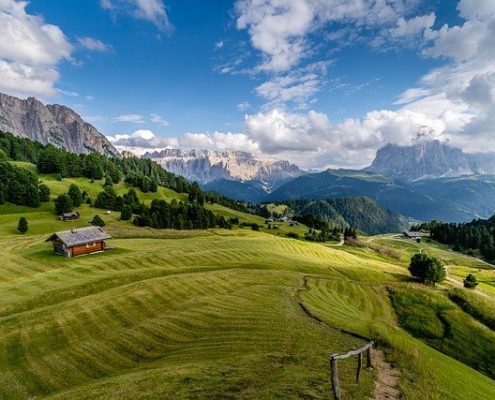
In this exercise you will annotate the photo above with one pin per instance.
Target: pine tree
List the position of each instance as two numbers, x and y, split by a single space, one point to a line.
75 195
97 221
44 192
126 213
22 226
63 204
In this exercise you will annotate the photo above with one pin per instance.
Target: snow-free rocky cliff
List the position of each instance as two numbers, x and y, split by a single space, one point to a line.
430 160
205 166
55 124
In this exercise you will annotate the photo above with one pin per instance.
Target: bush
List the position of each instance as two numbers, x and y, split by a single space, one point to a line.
470 282
427 268
22 226
97 221
292 235
255 227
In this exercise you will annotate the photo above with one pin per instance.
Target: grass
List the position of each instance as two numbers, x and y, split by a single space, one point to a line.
214 314
429 315
480 308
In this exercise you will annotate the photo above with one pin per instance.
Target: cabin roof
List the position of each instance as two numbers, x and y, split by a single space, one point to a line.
76 237
414 234
70 214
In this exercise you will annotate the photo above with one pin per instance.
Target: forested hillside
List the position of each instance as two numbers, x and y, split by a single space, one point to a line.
359 212
20 186
476 237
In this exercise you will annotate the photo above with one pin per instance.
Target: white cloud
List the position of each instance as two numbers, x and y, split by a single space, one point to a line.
142 141
94 44
159 120
244 106
30 51
153 11
297 87
130 118
281 29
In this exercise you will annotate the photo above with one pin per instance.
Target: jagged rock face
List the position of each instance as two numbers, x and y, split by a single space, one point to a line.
429 160
53 124
207 166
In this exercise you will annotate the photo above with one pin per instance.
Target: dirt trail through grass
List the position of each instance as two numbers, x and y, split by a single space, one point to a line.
387 378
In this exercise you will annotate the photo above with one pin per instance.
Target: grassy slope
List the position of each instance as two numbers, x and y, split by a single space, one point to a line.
210 314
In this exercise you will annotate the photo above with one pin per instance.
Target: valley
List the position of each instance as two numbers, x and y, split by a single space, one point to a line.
212 313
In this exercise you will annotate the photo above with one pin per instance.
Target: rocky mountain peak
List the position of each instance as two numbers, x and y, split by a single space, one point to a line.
207 166
55 124
427 160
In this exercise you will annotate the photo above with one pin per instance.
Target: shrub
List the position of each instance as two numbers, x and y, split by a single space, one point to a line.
97 221
292 235
470 282
255 227
22 226
427 268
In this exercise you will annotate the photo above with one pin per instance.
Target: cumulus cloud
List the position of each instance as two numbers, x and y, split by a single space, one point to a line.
281 30
30 50
141 141
153 11
94 44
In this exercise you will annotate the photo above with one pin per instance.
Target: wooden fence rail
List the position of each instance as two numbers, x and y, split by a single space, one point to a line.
334 370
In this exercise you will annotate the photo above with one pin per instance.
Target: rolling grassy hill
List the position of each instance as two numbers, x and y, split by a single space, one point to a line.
210 314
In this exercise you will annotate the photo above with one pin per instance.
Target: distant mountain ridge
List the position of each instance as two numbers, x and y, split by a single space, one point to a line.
206 166
55 124
429 160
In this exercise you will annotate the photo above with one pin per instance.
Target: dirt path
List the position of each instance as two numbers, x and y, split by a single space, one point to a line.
387 379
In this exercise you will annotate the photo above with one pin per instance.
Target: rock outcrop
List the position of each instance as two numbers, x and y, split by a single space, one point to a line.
55 124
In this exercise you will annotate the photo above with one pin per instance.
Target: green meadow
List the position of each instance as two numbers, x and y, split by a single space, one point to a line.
226 314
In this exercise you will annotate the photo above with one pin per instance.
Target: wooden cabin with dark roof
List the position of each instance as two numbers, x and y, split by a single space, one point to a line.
80 241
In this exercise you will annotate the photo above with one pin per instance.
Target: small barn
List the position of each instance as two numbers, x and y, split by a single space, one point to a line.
80 241
414 235
71 216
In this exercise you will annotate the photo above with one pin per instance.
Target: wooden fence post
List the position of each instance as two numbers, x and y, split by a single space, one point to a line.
369 363
335 378
359 366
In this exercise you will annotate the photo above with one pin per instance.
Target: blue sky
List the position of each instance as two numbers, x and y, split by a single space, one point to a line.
317 81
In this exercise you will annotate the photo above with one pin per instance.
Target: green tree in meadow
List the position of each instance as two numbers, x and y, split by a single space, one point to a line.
75 195
470 282
126 213
97 221
44 192
427 268
22 226
63 204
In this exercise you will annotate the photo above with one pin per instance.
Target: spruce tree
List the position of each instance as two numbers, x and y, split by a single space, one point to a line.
22 226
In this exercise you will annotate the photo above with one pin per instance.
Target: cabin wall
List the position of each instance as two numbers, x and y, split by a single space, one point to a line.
87 248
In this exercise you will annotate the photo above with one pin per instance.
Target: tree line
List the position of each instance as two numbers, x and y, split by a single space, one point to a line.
142 173
474 238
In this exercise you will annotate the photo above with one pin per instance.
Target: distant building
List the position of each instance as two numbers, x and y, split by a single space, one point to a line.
414 235
77 242
69 216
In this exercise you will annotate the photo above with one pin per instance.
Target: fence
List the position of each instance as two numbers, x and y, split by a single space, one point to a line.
335 371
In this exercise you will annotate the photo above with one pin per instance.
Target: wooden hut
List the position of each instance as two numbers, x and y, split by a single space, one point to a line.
77 242
71 216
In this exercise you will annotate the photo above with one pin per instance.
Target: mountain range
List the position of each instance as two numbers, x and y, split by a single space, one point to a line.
425 181
214 169
55 124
